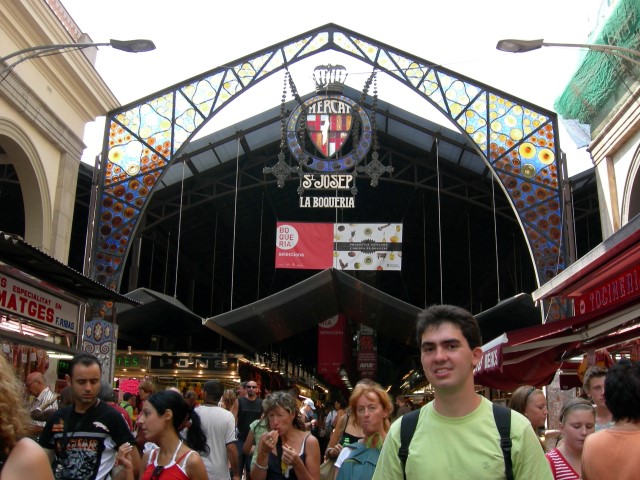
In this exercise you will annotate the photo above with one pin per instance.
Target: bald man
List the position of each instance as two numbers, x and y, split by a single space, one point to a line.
44 401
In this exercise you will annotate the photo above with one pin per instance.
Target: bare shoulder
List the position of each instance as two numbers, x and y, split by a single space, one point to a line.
195 468
27 460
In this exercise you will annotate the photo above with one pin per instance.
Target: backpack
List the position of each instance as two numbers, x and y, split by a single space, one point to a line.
360 464
501 415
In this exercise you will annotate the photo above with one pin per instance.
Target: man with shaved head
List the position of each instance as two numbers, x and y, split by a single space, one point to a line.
44 401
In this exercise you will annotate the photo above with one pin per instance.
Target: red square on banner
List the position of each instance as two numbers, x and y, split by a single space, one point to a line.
304 245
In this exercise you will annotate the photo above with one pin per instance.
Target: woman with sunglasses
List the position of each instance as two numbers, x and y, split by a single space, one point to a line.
577 420
287 450
164 414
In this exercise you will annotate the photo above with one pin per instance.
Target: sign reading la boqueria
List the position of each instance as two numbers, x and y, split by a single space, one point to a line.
330 182
616 290
21 299
346 246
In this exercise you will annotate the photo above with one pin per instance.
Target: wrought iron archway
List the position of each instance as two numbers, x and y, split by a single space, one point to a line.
516 139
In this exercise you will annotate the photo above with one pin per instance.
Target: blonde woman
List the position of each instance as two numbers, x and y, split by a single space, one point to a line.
531 402
229 401
20 457
373 408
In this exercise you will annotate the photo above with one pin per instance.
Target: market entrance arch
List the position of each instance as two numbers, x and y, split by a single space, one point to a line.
518 141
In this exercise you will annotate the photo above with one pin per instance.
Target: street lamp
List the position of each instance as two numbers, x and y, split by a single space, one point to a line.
518 46
132 46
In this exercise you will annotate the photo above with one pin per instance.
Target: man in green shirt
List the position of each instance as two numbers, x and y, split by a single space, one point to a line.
456 435
128 399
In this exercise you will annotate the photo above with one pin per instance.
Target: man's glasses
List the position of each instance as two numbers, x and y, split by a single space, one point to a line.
155 475
252 386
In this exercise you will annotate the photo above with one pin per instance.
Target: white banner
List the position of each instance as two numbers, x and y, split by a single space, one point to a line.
367 246
29 302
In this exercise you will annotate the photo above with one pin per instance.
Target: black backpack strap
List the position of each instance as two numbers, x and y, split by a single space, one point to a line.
502 416
408 423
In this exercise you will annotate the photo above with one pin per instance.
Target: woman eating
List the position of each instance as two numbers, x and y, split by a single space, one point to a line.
287 450
372 407
577 420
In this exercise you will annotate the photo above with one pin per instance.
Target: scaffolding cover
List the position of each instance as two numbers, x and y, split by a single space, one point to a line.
600 74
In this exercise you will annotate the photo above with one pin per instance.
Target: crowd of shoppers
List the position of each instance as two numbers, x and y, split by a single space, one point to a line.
83 433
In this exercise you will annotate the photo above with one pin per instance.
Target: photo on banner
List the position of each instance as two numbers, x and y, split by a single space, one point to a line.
344 246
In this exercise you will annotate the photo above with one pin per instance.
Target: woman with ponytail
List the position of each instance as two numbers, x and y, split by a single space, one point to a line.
163 416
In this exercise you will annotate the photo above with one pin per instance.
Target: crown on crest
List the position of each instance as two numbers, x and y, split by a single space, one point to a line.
329 78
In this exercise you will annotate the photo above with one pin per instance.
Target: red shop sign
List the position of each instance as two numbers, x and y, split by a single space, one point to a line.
617 290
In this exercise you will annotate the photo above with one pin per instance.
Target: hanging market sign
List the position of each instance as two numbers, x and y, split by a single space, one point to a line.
328 136
345 246
23 300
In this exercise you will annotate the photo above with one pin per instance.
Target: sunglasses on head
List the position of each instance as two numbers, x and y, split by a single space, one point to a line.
155 475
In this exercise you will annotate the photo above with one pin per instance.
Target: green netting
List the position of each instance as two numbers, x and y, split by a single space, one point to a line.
600 74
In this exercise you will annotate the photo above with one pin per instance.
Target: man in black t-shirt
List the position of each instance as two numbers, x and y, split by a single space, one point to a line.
249 409
82 439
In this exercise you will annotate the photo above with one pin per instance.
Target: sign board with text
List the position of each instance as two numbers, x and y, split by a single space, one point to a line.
344 246
24 300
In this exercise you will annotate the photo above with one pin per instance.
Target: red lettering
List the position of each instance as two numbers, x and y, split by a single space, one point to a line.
11 304
23 301
32 309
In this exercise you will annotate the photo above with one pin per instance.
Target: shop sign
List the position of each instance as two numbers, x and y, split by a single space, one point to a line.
617 290
367 357
491 360
331 348
131 361
193 364
29 302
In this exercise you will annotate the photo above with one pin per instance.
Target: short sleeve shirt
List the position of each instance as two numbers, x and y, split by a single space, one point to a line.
85 445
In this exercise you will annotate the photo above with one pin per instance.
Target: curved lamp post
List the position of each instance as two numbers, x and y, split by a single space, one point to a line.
519 46
131 46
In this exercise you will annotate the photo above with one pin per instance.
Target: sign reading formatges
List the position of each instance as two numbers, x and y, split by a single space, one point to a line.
345 246
21 299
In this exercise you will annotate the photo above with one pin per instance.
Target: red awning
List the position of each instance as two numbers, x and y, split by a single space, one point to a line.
532 355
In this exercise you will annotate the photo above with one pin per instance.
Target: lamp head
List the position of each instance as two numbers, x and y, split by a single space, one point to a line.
133 46
517 46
